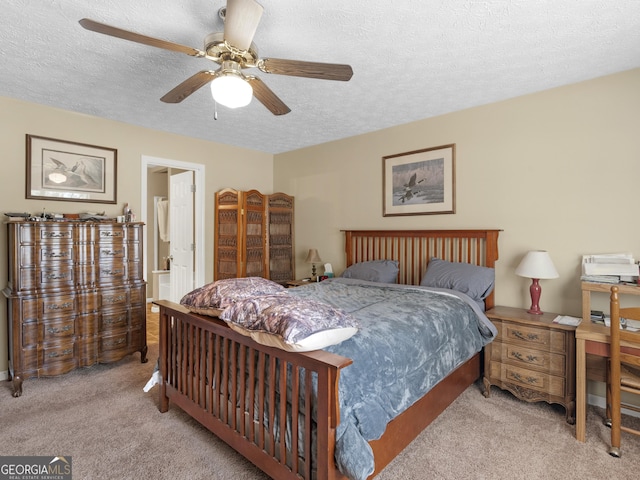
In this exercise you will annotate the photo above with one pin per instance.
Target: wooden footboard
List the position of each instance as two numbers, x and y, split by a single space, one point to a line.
240 403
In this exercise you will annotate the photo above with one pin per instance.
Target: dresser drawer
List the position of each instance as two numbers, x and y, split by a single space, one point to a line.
55 233
114 271
108 252
46 278
114 320
58 359
531 379
538 338
52 332
114 342
116 297
56 306
113 234
55 254
62 276
519 355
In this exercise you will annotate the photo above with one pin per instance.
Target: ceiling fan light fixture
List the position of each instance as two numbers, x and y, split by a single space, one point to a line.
231 90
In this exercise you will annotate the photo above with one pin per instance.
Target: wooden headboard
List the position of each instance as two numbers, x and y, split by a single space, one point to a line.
413 249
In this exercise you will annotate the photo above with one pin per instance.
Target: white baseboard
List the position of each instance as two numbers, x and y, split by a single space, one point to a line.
4 375
601 402
596 400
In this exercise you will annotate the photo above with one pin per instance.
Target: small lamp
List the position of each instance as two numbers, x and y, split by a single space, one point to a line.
313 257
535 265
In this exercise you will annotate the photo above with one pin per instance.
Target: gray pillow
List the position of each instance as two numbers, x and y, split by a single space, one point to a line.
384 271
473 280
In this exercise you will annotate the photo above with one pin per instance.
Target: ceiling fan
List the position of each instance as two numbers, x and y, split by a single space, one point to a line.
234 51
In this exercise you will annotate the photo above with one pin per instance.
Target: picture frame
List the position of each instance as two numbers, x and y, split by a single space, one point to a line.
420 182
70 171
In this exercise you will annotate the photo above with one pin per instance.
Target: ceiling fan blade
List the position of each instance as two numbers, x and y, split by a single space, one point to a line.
296 68
266 96
189 86
136 37
241 22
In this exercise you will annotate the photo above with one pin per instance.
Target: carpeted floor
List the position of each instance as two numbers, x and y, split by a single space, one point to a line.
113 430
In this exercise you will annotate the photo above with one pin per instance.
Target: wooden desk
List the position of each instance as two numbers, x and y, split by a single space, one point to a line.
589 287
591 339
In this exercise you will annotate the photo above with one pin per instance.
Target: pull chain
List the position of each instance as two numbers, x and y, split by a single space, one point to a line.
215 110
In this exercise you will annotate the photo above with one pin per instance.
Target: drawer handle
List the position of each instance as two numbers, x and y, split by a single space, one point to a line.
55 306
118 299
54 330
56 255
116 343
528 337
56 276
519 356
112 272
112 253
64 353
55 234
120 319
519 378
111 234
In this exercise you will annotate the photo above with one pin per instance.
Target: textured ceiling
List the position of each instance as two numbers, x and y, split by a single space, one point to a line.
412 59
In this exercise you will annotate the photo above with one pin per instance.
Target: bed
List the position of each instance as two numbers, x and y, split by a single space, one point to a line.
233 385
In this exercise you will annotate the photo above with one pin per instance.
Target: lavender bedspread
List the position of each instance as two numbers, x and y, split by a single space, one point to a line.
410 338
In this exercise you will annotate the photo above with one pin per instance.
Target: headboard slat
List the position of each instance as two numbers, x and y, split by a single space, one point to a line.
413 249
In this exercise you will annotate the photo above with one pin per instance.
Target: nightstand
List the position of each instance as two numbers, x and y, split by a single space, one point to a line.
532 357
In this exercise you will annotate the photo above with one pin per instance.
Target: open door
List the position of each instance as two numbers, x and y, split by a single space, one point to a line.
181 234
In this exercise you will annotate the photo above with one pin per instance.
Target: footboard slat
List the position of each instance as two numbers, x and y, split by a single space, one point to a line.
258 399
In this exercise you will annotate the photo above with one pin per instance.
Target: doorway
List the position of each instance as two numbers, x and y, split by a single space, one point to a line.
152 166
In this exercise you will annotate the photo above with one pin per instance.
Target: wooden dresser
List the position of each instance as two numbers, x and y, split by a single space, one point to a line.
76 296
532 357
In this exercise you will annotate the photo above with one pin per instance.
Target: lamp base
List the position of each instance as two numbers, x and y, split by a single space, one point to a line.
535 290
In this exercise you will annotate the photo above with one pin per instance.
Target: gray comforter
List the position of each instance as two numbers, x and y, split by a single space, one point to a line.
410 338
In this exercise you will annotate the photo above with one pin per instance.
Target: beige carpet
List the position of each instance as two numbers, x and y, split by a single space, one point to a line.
113 430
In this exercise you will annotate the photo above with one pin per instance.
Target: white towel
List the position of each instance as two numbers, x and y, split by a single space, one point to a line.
163 220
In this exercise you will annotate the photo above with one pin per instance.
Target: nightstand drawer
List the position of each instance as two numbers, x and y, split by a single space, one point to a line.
531 379
538 338
514 354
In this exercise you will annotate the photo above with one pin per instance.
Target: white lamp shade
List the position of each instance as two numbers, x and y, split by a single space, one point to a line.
231 90
537 264
313 256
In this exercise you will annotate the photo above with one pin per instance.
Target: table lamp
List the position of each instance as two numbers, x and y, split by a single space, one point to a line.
313 257
535 265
